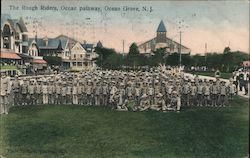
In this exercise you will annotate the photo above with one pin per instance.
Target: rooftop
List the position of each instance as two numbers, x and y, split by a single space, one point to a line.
161 27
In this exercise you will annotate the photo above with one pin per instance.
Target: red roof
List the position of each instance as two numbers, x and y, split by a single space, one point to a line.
7 55
38 61
246 63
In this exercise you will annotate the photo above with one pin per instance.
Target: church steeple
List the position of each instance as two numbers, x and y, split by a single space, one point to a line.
161 27
161 36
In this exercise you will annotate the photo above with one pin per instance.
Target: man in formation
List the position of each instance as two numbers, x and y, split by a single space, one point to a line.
156 89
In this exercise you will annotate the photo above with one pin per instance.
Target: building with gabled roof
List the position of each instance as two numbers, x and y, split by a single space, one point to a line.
162 41
13 34
77 55
16 48
48 46
82 57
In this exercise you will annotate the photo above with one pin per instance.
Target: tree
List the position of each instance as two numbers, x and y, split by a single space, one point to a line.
53 60
187 60
158 57
103 53
173 59
133 55
133 49
114 61
226 50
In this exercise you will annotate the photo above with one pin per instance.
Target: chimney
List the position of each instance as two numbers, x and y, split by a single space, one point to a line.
46 40
36 38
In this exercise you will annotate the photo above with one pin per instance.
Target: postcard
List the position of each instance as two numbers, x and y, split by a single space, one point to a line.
124 79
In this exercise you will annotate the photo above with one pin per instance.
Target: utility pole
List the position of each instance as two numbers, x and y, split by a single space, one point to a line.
180 50
205 53
181 26
123 46
35 25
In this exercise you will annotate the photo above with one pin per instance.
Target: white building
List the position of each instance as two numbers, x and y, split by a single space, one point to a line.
162 41
80 57
13 35
37 61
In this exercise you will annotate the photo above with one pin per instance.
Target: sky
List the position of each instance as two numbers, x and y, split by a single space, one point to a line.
215 23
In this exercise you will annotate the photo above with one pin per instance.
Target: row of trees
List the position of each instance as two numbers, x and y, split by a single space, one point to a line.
227 61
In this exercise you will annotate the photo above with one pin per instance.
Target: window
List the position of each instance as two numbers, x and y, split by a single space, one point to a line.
81 56
74 63
80 64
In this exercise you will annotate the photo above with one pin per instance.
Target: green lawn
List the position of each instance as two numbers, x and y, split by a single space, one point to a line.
211 74
93 132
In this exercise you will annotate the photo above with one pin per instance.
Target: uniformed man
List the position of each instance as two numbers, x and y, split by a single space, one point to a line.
159 104
214 94
24 91
31 93
130 90
157 89
105 93
232 90
144 103
45 92
241 80
98 93
5 91
138 93
51 91
169 90
246 81
16 90
175 103
121 107
75 93
58 88
200 91
207 89
193 94
113 89
185 93
89 91
38 92
151 93
80 91
69 92
144 87
122 93
64 93
223 91
114 99
130 104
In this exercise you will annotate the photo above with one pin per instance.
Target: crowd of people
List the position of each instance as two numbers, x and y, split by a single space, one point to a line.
241 80
157 89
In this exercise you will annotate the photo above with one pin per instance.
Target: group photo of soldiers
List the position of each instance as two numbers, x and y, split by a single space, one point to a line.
156 89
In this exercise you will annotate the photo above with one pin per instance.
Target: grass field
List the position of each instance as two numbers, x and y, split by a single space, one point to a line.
211 74
93 132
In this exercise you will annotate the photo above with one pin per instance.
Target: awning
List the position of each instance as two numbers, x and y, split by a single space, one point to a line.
25 56
7 55
38 61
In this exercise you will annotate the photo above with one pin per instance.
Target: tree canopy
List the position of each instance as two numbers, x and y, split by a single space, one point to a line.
227 61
